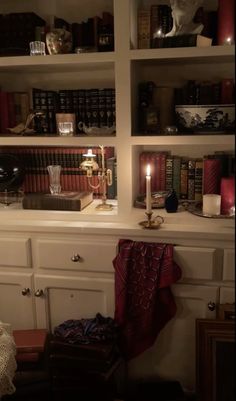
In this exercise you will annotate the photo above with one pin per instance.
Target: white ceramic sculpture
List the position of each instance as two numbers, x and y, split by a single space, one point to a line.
183 12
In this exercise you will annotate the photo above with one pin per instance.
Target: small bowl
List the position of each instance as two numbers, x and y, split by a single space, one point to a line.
205 118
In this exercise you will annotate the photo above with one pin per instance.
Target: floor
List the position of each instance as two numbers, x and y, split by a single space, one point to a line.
155 391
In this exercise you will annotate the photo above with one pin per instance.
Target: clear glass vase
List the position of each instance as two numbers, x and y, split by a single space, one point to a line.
54 172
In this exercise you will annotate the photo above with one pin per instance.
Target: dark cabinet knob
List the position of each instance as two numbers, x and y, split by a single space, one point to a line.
211 306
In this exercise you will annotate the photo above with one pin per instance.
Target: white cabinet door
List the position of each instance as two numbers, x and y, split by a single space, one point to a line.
172 357
16 302
59 298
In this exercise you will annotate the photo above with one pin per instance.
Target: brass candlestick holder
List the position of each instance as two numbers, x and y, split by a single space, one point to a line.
104 176
151 223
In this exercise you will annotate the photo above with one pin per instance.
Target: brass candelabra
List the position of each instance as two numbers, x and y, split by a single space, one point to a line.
104 176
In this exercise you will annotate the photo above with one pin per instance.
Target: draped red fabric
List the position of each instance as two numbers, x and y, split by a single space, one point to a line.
144 302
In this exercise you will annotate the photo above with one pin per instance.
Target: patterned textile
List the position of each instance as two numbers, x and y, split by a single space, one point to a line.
7 361
143 299
86 331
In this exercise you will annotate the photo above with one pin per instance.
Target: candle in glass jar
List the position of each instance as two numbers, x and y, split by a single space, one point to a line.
211 204
148 190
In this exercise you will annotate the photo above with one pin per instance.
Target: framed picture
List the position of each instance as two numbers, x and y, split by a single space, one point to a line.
226 312
215 360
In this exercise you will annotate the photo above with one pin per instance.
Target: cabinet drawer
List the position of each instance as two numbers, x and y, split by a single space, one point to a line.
15 252
198 263
77 255
229 265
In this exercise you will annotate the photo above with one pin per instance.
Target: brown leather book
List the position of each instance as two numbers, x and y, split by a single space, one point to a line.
31 341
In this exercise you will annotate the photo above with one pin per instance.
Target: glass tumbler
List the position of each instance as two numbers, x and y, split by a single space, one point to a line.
37 48
54 172
65 128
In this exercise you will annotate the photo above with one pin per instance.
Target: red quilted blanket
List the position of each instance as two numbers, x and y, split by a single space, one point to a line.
143 299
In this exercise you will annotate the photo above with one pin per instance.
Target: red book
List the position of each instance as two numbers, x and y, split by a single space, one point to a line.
31 341
227 91
211 176
225 31
11 110
4 112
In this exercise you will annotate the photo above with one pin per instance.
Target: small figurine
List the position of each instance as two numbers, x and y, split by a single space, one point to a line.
183 12
25 129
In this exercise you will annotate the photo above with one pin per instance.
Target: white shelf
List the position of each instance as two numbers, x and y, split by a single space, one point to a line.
56 141
57 63
184 140
186 54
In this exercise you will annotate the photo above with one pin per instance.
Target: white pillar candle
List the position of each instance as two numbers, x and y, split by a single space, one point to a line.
148 191
211 204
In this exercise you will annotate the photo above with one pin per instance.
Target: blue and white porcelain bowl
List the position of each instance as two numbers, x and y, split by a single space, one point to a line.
205 118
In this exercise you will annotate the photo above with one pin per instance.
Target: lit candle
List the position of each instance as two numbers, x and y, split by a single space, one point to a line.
211 204
148 191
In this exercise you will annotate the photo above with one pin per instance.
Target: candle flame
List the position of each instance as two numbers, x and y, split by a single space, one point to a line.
148 170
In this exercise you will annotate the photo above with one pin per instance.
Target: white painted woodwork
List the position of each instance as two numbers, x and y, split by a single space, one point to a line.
122 69
93 255
204 247
72 298
227 295
15 252
15 308
172 357
229 265
198 263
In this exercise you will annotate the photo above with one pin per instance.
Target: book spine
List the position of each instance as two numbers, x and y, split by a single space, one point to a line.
176 175
162 172
191 179
11 109
211 176
88 114
102 108
4 112
81 108
227 91
198 180
109 105
51 112
144 28
94 104
184 179
169 173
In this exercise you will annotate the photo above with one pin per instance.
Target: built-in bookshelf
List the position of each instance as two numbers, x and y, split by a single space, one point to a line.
122 69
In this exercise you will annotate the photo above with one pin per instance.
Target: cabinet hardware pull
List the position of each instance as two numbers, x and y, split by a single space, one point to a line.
75 258
38 293
211 306
25 291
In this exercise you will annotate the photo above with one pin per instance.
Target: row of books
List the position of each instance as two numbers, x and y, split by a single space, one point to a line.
156 21
189 177
17 30
206 92
94 107
73 178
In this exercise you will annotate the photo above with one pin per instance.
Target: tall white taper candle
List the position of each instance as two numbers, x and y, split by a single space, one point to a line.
148 190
